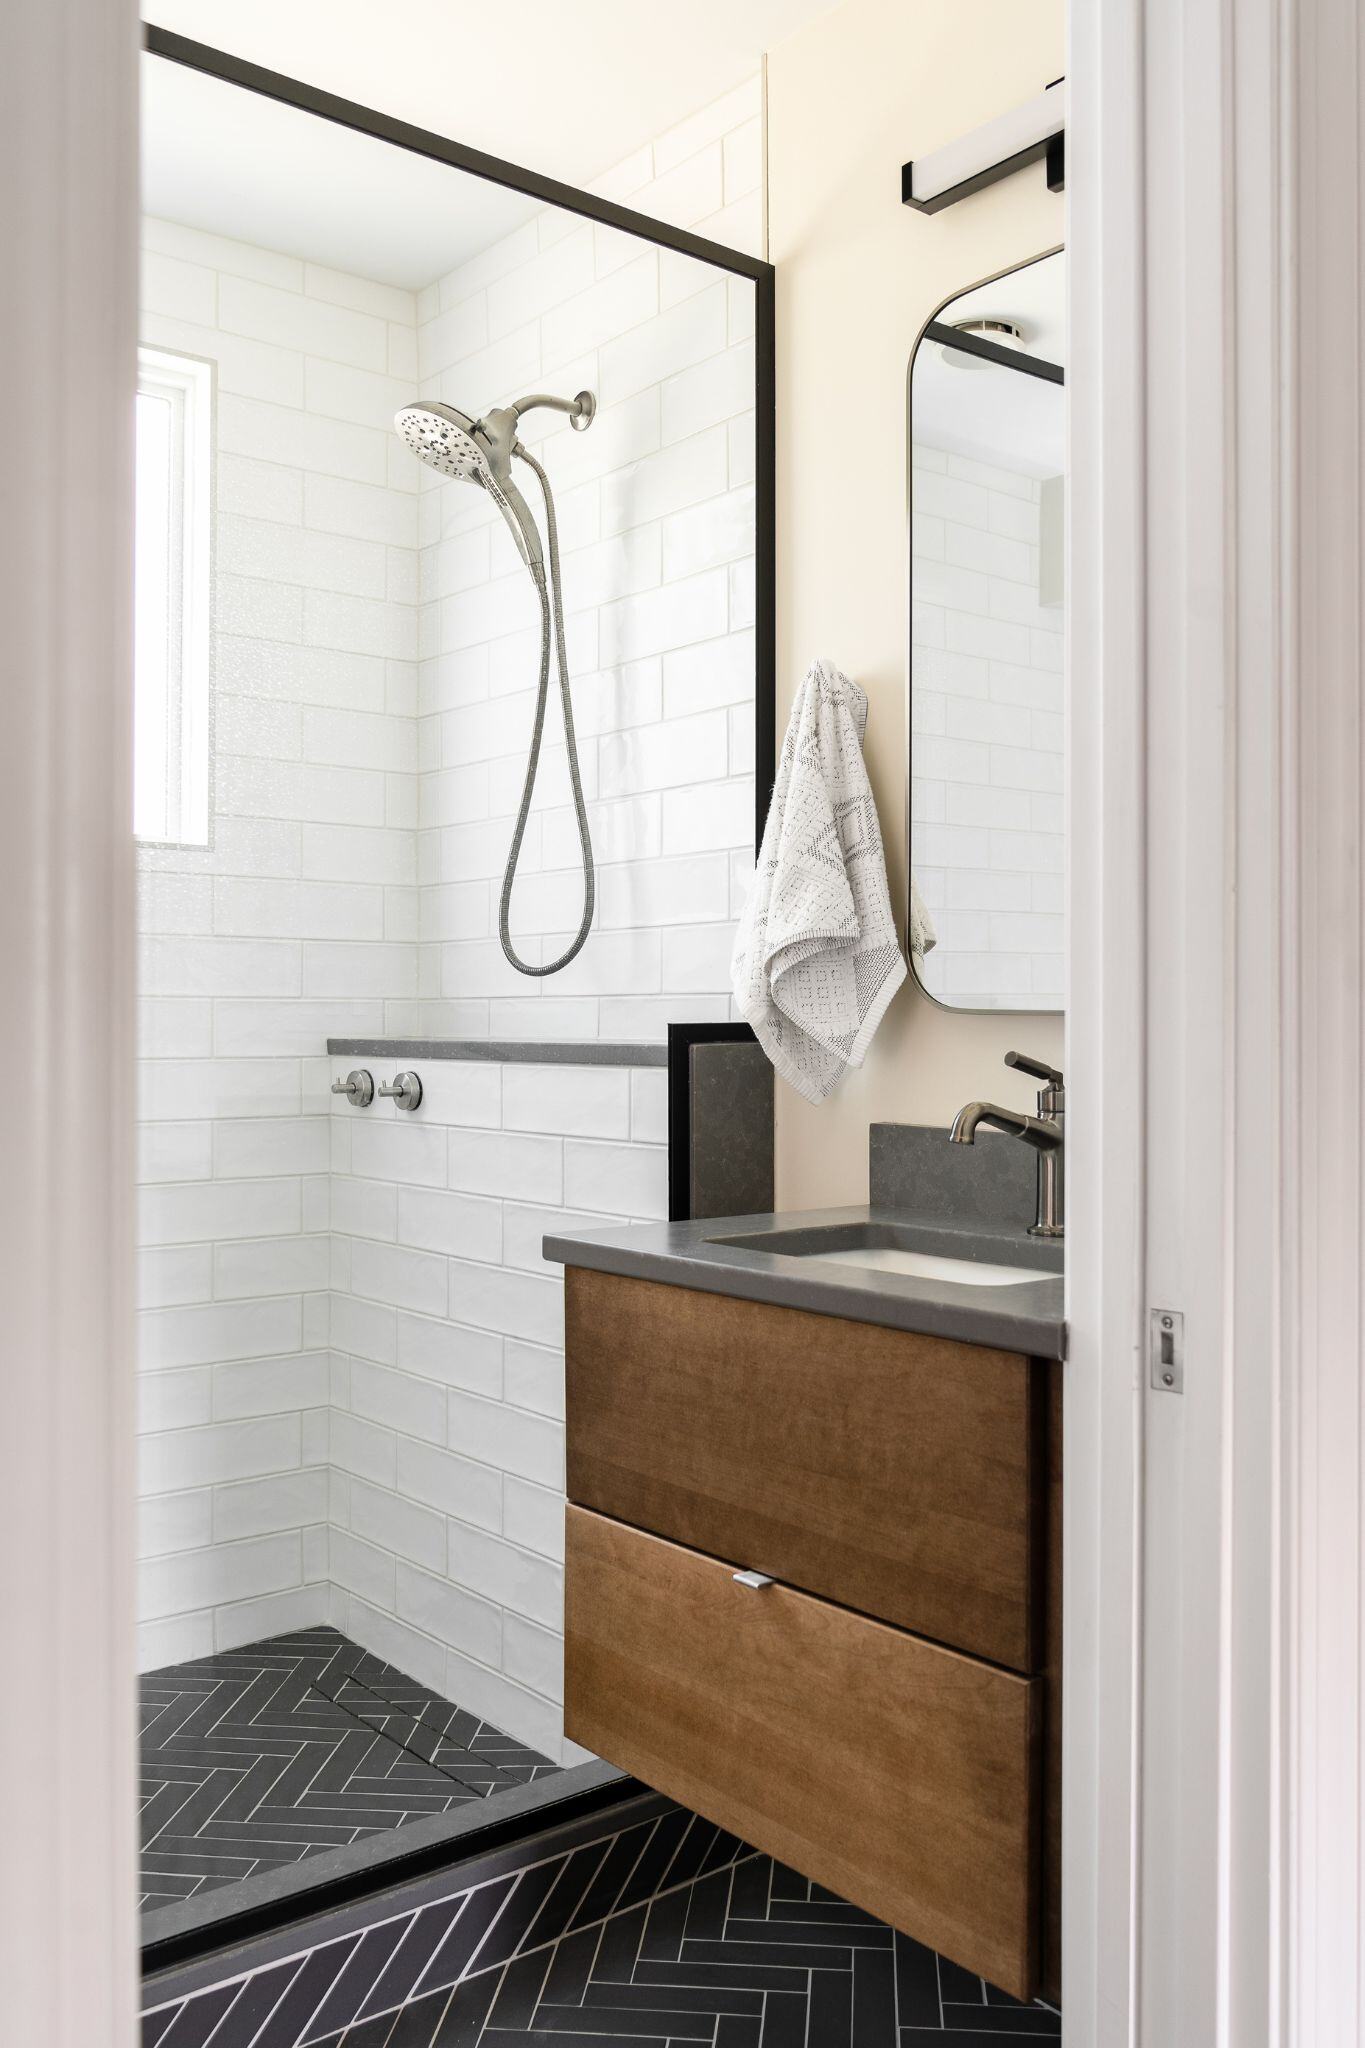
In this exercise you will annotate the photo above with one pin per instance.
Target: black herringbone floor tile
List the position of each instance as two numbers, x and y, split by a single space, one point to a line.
270 1754
746 1956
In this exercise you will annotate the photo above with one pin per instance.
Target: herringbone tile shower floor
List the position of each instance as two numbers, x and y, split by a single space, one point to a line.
269 1754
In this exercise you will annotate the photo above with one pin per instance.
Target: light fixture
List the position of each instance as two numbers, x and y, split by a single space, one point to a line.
1003 333
1035 130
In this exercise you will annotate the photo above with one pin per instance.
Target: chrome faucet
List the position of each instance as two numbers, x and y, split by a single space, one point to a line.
1046 1132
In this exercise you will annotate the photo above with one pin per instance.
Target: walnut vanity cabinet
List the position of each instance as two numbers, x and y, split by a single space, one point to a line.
884 1716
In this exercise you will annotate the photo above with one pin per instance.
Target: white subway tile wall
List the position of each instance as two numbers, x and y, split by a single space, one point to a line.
299 922
657 527
448 1364
987 757
350 1374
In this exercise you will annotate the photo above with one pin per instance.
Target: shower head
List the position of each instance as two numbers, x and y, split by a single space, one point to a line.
481 451
476 452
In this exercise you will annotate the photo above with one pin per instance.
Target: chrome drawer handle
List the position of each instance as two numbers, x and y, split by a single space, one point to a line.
755 1579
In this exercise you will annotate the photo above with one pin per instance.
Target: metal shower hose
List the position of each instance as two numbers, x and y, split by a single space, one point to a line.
533 758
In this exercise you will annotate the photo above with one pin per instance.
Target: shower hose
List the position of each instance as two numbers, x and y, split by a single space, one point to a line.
550 600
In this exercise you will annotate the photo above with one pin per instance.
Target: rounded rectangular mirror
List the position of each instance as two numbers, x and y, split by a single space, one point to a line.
987 463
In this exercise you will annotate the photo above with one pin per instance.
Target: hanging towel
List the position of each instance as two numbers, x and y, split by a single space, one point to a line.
816 957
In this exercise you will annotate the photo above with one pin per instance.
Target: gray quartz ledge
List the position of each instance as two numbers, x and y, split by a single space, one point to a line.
1027 1317
543 1052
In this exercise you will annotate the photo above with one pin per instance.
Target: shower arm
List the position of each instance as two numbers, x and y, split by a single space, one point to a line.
579 409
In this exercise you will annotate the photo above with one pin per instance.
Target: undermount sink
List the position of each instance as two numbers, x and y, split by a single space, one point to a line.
918 1251
926 1266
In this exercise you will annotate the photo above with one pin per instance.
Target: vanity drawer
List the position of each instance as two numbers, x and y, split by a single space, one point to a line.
900 1775
898 1474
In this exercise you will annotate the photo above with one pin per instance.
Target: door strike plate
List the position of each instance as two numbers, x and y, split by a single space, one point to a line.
1167 1349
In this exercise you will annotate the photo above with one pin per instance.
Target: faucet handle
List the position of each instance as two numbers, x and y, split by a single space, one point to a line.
1039 1069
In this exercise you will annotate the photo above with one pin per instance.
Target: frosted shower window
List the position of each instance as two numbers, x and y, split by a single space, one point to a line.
171 691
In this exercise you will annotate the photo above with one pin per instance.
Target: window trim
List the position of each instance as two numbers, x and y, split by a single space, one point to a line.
188 384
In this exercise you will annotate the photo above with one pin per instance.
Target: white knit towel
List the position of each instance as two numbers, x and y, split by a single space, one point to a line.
816 957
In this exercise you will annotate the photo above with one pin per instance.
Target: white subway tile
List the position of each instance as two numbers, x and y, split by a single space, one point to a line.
175 1521
443 1610
270 1265
501 1572
173 1400
664 892
533 1516
274 1614
709 394
178 1090
184 291
717 815
293 321
533 1654
461 1092
534 1375
649 1106
170 1276
606 308
363 1328
616 1179
363 1448
169 1585
197 1210
457 1225
218 252
269 1386
524 1715
202 1335
513 1303
302 675
564 1100
258 1507
174 1027
178 1639
413 1151
397 1399
506 1163
301 440
451 1353
510 1439
334 969
452 1484
220 1451
679 752
395 1524
392 1273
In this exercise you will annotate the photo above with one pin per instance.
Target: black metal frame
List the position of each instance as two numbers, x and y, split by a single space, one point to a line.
681 1039
993 352
938 330
310 99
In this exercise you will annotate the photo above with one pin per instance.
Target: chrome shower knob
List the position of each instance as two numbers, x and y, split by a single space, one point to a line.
358 1087
405 1089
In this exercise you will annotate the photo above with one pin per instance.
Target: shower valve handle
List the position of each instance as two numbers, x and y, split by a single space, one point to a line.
358 1087
405 1089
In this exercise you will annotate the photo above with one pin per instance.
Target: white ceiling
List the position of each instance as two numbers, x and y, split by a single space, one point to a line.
567 87
989 412
237 164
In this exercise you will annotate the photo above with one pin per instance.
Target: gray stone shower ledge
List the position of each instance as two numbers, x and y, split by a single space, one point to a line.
561 1052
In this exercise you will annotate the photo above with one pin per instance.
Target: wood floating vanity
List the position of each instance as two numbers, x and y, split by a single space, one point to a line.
813 1591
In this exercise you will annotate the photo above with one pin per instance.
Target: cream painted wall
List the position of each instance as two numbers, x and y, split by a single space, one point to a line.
850 96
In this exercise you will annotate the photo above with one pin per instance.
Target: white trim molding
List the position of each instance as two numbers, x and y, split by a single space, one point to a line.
68 331
1214 1890
1323 1700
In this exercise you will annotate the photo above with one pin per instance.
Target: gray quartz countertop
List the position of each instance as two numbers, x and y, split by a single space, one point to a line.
1026 1316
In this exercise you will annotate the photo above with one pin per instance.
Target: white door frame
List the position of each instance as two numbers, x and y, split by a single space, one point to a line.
1214 1691
68 334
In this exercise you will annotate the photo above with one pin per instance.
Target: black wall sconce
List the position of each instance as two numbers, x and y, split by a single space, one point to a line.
1035 130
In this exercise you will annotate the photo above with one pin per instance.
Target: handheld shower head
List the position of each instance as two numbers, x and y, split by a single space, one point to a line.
481 451
476 452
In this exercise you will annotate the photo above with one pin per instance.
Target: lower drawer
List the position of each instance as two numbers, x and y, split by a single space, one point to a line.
899 1774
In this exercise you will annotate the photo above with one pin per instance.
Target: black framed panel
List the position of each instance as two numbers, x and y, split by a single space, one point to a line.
176 1936
311 99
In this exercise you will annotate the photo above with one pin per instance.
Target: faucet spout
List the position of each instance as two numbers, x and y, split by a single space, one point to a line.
1045 1133
1040 1132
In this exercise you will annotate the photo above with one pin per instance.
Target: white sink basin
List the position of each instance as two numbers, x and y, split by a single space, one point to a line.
927 1266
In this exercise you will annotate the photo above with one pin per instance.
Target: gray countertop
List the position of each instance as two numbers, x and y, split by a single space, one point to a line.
1027 1317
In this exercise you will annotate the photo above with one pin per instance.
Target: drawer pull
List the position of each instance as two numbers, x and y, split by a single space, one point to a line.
755 1579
